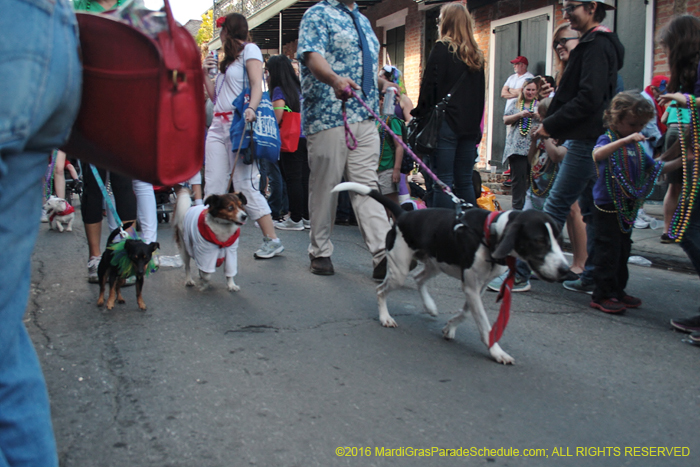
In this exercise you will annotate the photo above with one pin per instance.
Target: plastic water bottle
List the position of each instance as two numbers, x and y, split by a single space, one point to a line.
212 71
388 108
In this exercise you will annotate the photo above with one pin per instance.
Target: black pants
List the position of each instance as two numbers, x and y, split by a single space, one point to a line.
520 176
295 168
91 201
611 251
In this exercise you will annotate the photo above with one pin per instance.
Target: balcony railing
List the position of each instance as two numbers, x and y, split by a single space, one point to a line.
245 7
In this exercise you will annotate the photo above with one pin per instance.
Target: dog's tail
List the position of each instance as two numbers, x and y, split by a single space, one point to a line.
184 202
393 208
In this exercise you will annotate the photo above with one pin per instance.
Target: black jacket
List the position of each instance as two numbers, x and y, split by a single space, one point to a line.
586 88
466 105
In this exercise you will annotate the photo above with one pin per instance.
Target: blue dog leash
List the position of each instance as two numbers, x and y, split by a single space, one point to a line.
108 200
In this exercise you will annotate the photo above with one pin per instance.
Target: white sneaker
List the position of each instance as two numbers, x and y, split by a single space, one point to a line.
92 265
269 248
306 222
640 223
44 217
289 224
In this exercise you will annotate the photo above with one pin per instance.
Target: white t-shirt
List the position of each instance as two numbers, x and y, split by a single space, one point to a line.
516 82
228 88
205 253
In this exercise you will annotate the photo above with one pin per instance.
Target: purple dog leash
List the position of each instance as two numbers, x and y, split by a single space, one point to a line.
350 92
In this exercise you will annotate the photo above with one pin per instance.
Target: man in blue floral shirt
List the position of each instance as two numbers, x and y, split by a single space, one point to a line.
338 49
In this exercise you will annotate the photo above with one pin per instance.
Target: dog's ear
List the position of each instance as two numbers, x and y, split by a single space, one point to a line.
212 201
507 243
241 197
153 246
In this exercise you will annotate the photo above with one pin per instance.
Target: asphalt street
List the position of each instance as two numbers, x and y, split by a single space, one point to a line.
295 369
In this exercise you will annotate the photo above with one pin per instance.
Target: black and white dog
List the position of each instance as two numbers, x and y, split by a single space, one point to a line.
469 249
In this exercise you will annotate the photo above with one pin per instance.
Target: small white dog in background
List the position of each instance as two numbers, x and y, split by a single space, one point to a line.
59 212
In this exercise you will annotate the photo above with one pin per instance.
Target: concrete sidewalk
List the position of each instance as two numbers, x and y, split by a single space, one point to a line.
645 241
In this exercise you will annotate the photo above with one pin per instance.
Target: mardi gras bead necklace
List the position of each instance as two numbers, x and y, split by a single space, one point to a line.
533 186
525 123
689 193
626 181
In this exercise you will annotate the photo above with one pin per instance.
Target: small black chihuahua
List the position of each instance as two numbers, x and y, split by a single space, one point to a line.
136 258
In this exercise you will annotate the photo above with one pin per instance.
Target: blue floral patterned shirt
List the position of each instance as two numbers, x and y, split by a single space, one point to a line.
328 28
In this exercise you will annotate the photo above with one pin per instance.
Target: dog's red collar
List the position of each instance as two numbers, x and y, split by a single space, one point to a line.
493 215
69 210
209 236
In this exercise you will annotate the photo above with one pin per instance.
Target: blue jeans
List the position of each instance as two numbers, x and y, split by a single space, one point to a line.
270 174
452 163
39 99
575 181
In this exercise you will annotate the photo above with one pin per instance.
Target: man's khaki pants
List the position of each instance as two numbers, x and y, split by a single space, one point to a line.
329 160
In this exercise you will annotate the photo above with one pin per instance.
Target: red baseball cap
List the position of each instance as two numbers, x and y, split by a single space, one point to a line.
519 59
659 80
220 21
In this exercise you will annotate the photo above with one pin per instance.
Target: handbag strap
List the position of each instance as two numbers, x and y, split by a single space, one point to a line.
446 99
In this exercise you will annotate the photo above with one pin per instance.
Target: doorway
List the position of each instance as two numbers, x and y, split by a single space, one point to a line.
528 34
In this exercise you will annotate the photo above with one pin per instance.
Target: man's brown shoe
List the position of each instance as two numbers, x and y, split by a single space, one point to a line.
322 266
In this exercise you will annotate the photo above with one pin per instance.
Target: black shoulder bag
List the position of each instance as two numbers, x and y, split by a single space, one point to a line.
423 131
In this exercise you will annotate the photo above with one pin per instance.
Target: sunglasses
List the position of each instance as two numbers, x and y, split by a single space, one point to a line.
562 41
570 9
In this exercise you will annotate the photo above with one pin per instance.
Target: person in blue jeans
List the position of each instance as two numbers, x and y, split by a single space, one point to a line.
39 100
587 85
455 62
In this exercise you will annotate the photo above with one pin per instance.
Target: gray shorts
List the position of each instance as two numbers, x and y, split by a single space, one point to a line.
386 186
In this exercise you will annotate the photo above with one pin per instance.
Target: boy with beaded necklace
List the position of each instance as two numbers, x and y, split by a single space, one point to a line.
626 176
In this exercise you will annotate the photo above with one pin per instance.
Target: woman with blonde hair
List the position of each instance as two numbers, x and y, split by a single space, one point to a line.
456 62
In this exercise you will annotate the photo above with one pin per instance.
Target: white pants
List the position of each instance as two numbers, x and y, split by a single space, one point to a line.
146 211
219 164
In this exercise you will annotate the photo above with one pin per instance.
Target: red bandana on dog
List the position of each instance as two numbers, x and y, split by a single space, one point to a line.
69 209
207 234
504 313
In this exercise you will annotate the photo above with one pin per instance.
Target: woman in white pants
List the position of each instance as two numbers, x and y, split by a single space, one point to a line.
241 58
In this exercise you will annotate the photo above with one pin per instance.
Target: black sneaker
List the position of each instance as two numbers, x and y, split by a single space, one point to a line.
688 324
695 338
379 272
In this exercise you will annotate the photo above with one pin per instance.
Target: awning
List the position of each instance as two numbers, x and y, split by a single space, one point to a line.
264 24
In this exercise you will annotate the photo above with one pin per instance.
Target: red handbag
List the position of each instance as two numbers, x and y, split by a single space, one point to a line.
290 130
142 112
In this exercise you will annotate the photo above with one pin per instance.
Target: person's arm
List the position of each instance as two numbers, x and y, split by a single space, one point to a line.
670 166
406 106
255 74
603 152
209 62
678 97
323 72
513 118
428 94
398 159
555 153
278 106
664 117
510 93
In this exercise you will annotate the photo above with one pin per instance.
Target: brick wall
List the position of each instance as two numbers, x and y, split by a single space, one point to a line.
665 11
